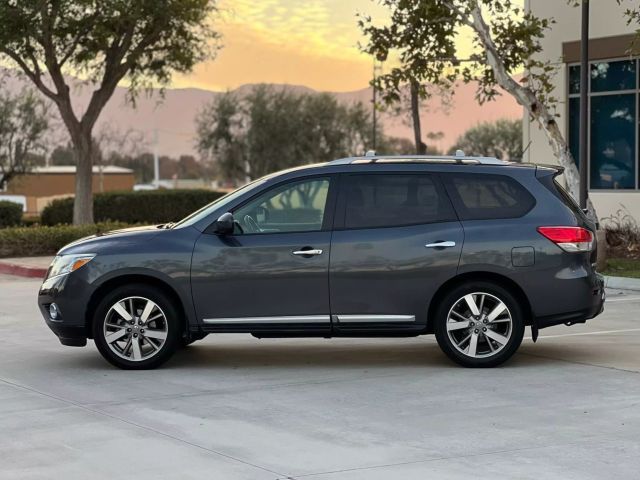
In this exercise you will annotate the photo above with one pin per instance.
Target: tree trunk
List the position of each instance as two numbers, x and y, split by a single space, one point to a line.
83 204
421 148
538 111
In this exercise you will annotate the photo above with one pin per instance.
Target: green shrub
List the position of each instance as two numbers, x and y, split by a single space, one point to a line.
33 241
154 206
10 214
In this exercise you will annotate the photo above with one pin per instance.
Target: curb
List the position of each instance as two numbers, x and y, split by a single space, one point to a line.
623 283
22 271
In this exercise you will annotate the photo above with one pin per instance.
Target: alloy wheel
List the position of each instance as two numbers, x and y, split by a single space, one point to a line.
135 328
479 325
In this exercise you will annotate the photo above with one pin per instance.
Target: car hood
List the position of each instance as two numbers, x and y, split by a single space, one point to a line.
118 238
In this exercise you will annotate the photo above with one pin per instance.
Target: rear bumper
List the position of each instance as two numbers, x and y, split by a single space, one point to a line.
595 308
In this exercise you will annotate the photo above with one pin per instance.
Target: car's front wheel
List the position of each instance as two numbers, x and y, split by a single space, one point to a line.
479 324
136 327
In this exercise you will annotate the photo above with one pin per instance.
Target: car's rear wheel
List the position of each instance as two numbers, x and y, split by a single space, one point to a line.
479 324
136 327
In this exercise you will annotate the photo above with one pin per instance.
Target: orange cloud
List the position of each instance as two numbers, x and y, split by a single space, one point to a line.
310 42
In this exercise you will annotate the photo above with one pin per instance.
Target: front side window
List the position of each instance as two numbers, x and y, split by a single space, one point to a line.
379 200
293 207
483 197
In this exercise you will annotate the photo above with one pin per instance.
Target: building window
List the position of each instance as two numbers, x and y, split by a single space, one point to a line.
614 96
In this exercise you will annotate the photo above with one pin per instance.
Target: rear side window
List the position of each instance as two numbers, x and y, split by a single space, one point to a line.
551 183
484 197
391 200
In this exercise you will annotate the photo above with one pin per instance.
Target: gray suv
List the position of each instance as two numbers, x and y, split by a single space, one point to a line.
471 249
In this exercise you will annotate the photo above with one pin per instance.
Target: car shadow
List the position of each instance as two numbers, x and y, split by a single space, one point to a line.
320 355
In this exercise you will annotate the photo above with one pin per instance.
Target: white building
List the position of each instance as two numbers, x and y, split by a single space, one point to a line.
614 94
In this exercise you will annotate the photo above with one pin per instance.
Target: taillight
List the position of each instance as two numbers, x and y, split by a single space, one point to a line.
570 239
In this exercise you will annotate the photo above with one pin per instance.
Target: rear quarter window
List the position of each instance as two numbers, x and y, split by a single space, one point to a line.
485 197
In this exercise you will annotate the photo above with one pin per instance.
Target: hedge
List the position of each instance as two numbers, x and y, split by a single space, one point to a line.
33 241
10 214
154 206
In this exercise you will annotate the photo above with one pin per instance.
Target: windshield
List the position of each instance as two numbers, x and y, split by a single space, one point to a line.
207 209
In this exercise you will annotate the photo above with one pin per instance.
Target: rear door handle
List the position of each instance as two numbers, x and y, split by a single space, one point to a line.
447 244
315 251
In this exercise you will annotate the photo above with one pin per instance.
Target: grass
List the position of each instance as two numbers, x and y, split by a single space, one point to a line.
623 267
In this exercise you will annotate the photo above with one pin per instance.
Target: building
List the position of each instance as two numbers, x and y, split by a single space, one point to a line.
43 184
614 94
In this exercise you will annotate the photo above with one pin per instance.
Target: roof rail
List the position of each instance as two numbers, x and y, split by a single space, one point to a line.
370 157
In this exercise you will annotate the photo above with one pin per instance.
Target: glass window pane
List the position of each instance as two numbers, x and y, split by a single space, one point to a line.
613 141
574 129
611 76
480 197
574 79
294 207
394 200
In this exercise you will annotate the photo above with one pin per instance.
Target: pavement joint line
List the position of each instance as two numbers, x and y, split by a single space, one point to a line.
137 425
452 457
599 332
584 364
612 300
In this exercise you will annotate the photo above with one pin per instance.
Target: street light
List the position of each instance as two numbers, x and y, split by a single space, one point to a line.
584 103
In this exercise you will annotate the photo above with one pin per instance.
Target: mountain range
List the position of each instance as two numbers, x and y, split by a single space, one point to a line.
173 114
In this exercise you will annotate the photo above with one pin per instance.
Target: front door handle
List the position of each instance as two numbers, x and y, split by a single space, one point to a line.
315 251
448 244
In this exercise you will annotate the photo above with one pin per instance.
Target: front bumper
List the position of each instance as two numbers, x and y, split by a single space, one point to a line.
70 293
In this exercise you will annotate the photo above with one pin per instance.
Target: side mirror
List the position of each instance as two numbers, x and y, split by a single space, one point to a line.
225 224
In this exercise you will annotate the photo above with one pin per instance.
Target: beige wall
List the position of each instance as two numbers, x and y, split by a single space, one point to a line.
607 20
50 184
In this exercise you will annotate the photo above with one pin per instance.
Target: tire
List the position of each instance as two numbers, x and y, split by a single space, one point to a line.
494 333
157 338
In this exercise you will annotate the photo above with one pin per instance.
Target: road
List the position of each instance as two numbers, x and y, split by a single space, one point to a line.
234 407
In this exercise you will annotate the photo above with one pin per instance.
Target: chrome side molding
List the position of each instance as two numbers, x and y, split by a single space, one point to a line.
274 320
365 318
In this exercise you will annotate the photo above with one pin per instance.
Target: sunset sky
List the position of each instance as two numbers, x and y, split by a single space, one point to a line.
300 42
310 42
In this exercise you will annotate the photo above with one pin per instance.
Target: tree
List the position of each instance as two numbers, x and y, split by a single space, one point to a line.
501 139
271 129
425 50
632 12
141 41
62 155
506 39
24 123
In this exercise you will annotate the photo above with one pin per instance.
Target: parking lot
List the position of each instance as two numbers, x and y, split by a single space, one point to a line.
234 407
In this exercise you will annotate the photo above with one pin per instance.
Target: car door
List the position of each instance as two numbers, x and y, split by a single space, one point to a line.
396 240
272 272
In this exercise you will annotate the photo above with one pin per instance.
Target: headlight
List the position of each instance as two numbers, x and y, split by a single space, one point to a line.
64 264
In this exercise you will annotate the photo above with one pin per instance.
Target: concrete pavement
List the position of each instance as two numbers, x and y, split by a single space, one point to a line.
234 407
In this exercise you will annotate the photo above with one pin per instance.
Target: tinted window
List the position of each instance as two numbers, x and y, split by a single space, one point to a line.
574 79
480 197
393 200
613 141
574 128
293 207
608 76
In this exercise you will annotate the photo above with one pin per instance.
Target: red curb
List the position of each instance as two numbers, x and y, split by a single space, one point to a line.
22 271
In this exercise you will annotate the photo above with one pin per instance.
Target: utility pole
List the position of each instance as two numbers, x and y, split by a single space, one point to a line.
156 161
584 105
374 101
